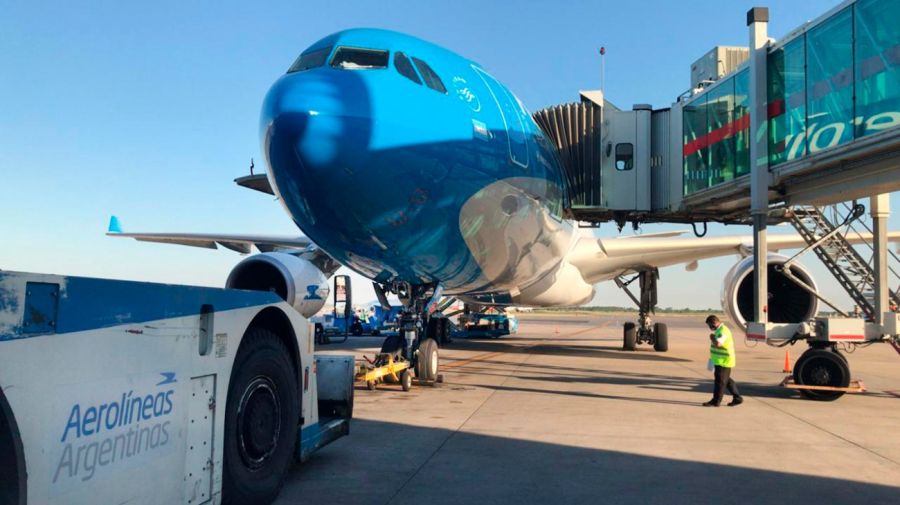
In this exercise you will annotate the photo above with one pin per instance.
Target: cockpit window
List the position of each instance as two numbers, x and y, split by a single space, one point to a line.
431 79
352 58
403 65
311 59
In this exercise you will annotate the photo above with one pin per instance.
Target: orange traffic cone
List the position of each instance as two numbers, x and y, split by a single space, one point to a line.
787 362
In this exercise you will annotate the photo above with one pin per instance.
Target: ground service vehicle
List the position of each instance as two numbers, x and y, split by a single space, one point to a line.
119 391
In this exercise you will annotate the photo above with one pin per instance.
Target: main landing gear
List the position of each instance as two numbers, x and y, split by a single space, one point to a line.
645 331
419 330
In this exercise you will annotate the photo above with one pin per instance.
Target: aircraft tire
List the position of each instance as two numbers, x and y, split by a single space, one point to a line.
261 415
661 340
629 339
446 336
427 361
438 328
392 345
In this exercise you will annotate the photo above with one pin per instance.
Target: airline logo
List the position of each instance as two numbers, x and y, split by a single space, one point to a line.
466 95
312 292
101 432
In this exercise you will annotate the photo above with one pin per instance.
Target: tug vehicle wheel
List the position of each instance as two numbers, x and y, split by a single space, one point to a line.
261 414
13 487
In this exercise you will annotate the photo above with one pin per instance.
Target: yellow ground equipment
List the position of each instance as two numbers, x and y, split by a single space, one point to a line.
384 366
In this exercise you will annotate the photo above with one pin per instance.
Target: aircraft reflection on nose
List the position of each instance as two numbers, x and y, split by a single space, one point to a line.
308 112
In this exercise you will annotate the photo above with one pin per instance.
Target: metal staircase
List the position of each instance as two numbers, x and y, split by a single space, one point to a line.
851 270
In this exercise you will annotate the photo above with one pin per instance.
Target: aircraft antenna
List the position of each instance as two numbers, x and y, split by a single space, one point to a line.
602 60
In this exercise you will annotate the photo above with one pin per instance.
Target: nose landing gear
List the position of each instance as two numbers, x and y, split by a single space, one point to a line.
419 330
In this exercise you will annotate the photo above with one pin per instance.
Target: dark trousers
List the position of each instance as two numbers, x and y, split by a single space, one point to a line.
723 381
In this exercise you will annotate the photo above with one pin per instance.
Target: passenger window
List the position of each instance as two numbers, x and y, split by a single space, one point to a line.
403 65
311 59
351 58
624 156
431 79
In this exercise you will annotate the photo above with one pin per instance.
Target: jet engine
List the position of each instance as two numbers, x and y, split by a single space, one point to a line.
295 280
787 302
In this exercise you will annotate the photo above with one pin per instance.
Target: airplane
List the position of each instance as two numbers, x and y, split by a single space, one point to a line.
416 168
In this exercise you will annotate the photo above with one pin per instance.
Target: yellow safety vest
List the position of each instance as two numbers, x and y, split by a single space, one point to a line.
722 356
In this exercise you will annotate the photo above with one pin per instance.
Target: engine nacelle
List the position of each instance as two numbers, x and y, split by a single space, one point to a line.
295 280
787 302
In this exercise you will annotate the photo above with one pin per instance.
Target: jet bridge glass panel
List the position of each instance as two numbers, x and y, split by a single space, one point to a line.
741 126
716 145
696 152
720 114
836 81
829 82
877 65
787 102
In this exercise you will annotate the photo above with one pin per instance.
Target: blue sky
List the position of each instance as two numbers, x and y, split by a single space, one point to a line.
149 110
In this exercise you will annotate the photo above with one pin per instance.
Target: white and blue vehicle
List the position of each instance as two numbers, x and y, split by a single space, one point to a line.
118 391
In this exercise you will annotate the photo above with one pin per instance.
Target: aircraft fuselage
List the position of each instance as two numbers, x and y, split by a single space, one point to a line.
447 180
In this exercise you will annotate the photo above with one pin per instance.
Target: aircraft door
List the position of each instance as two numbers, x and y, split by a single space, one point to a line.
512 118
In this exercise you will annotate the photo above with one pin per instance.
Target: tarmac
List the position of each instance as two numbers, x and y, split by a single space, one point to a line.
558 413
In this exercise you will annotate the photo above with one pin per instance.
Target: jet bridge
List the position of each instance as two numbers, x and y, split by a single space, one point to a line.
830 98
766 134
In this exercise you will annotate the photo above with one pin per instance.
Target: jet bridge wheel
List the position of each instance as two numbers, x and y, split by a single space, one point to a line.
629 341
822 367
261 415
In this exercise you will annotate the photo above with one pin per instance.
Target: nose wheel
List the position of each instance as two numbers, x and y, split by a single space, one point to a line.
418 329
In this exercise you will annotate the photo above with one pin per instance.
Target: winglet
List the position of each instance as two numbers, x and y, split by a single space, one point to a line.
114 225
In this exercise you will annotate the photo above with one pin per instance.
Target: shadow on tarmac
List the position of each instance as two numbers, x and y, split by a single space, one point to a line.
390 463
587 351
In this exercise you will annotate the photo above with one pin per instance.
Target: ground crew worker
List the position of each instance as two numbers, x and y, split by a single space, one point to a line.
721 356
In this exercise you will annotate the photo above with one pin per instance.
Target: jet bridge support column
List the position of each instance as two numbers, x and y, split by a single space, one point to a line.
757 21
880 210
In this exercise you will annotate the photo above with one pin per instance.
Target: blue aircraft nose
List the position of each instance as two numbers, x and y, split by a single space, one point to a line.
314 117
316 128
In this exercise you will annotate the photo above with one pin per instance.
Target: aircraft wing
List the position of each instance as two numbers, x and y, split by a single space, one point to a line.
240 243
604 259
